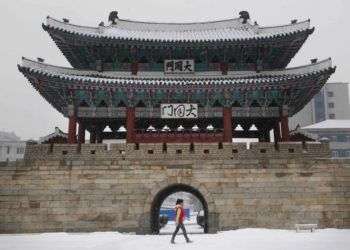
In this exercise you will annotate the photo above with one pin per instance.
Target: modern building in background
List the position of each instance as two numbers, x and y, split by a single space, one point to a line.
332 102
11 147
336 131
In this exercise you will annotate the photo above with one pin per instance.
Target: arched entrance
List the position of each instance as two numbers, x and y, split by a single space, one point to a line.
163 194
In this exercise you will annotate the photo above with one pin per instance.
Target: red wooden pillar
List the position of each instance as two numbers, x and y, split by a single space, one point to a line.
81 133
130 124
224 68
93 136
134 68
72 130
285 128
99 135
93 133
277 131
227 122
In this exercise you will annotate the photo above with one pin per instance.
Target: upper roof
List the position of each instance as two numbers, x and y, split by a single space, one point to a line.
329 124
221 30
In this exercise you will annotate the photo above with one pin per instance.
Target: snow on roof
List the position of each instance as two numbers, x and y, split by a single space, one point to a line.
329 124
57 133
8 136
159 77
224 30
304 133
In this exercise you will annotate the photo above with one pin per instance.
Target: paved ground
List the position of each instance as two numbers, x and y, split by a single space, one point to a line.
247 239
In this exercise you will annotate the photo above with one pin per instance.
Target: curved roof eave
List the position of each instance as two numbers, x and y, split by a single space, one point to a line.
222 30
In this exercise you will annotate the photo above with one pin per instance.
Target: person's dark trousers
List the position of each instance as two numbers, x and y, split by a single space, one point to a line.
180 225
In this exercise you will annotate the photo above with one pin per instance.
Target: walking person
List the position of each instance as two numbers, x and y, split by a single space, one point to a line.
179 219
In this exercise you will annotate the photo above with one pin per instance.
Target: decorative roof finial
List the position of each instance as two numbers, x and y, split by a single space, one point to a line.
314 60
66 20
113 16
101 24
244 15
41 60
294 21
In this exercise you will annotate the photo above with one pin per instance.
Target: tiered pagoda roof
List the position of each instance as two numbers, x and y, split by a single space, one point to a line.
126 74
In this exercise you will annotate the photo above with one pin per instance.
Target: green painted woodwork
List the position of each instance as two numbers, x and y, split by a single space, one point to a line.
82 98
199 97
215 98
119 97
101 98
243 58
178 96
140 96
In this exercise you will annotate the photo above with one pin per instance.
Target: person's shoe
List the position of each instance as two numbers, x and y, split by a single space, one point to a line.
189 241
172 242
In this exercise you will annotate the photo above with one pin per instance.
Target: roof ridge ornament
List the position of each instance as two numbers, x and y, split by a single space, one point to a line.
113 15
244 15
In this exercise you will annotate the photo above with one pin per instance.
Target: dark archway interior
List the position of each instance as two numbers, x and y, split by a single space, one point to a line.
163 194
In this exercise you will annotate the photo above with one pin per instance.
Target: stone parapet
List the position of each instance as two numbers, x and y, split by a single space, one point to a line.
159 151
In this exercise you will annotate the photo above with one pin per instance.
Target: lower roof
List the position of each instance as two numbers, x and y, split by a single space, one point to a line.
293 87
161 78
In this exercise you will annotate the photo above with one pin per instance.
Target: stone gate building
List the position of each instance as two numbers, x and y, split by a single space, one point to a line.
181 92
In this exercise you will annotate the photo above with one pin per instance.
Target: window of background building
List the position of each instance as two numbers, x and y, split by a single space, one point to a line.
347 153
341 138
331 105
320 106
330 94
20 151
8 149
331 116
335 154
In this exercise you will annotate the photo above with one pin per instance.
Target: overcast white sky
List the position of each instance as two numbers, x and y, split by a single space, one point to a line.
25 112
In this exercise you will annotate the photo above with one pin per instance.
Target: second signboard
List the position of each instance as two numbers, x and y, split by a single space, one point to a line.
179 111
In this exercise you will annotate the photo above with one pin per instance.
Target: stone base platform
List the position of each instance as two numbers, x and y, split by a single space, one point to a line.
91 188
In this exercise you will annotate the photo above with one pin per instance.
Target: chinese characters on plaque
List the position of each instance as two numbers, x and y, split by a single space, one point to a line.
179 111
179 66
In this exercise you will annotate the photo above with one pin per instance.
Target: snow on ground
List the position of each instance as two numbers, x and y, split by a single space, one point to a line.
247 239
190 225
190 228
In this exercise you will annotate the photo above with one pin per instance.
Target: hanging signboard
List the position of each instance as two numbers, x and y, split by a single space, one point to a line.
179 66
179 111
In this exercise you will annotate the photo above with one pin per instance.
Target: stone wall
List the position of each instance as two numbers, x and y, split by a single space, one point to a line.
91 188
